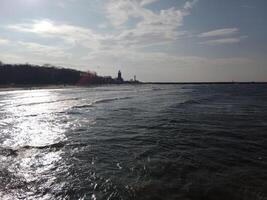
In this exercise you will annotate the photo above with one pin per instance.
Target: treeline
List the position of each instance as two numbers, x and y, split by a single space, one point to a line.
27 74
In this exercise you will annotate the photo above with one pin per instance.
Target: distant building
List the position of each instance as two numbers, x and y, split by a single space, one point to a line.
119 79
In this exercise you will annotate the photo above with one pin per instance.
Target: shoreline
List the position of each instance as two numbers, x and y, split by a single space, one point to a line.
33 87
61 86
201 83
38 87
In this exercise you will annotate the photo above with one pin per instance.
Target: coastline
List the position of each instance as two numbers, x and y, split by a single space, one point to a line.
61 86
33 87
199 83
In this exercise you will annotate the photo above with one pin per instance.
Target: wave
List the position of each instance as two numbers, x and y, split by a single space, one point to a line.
48 102
111 99
6 151
100 101
156 89
83 106
14 152
189 102
197 101
55 145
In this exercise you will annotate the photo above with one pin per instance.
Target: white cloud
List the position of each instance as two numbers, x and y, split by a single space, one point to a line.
154 28
120 11
11 58
151 27
220 32
190 4
147 2
3 41
223 41
43 50
122 46
222 36
69 33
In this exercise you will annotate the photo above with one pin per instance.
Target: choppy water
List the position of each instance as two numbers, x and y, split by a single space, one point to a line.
134 142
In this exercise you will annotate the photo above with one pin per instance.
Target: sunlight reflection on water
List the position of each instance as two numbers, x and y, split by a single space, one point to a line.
30 123
34 123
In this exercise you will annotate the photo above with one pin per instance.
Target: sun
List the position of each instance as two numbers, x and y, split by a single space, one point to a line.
43 26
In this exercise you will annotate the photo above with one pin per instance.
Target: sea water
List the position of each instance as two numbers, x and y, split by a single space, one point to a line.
128 142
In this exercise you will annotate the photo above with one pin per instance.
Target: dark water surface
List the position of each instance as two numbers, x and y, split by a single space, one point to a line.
135 142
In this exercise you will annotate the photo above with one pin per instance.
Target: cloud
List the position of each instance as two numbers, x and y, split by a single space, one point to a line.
223 41
120 11
3 41
190 4
220 32
43 50
11 58
155 27
222 36
120 42
151 26
147 2
69 33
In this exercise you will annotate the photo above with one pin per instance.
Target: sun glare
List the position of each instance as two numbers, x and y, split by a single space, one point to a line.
43 26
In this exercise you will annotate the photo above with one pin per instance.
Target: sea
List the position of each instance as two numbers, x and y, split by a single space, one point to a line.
134 142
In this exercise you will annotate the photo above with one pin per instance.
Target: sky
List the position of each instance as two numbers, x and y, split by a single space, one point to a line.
156 40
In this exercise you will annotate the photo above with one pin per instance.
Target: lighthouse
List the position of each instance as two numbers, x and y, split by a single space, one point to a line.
120 79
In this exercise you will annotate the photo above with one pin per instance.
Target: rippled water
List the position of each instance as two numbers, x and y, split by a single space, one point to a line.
134 142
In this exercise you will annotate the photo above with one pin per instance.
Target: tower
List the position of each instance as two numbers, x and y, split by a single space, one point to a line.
120 79
119 75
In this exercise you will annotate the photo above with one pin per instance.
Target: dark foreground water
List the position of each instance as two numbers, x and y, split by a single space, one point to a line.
154 142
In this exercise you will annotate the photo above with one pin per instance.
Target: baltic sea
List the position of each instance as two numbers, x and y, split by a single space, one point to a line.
132 142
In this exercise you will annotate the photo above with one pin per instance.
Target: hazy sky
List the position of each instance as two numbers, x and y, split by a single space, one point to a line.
156 40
